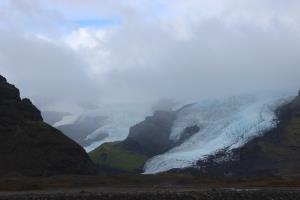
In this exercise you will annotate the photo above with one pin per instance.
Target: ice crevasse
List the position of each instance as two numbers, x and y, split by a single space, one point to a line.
227 123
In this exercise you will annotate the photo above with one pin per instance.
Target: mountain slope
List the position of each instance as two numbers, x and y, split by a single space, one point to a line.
186 137
146 139
224 123
28 146
82 127
93 127
114 157
275 153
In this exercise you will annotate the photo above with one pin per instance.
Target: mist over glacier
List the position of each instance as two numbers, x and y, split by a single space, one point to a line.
224 122
113 122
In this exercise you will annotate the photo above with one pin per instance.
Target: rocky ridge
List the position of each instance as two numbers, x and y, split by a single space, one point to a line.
30 147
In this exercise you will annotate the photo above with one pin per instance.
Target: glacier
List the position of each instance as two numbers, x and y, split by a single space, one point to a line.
118 120
226 123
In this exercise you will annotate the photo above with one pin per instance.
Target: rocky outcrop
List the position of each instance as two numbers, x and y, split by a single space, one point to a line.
152 136
30 147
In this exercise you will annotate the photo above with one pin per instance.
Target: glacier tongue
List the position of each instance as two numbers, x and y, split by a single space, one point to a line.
119 120
223 123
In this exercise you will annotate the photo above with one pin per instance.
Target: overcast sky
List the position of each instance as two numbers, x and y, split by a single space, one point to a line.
90 52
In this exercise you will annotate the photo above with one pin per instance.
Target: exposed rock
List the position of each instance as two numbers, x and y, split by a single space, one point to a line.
187 133
2 79
8 92
153 134
28 146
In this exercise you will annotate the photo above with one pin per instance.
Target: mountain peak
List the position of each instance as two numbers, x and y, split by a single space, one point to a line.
8 91
30 147
2 79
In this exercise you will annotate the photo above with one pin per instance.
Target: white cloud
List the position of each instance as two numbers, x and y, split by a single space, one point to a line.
91 45
85 38
161 49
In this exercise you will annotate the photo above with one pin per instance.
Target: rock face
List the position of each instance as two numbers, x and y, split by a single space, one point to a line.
277 152
152 136
28 146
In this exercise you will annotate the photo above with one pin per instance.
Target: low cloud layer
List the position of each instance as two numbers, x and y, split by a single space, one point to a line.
93 52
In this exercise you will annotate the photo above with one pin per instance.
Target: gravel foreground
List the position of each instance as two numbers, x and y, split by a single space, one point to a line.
211 194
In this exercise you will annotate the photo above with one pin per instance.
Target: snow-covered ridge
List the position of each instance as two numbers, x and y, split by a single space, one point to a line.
223 123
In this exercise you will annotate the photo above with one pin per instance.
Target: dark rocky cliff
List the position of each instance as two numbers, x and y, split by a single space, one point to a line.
28 146
151 136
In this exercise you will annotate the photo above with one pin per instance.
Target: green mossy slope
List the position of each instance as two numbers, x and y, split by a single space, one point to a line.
114 157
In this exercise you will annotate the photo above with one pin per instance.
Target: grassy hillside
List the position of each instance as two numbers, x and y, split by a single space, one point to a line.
115 157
